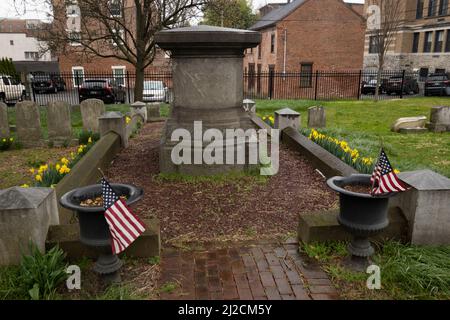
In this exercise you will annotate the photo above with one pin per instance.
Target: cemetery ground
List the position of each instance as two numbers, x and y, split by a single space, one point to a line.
205 216
364 123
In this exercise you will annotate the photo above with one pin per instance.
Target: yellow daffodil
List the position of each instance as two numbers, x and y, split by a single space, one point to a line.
65 161
90 140
396 171
25 186
53 186
32 170
72 155
58 166
127 120
4 140
38 178
11 139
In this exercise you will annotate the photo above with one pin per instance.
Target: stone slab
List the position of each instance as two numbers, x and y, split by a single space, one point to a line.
59 122
67 237
323 226
28 124
409 122
91 110
4 125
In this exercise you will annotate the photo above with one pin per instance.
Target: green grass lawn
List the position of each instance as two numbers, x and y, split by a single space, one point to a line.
363 124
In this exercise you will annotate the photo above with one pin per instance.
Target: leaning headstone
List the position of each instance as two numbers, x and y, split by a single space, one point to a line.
287 117
439 119
4 125
416 124
28 124
59 122
25 215
153 111
316 117
139 108
91 110
426 206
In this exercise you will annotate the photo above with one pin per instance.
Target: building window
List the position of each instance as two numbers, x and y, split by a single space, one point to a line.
78 76
439 41
443 7
120 36
11 42
119 75
447 45
415 46
74 37
428 41
30 55
259 51
115 7
272 43
432 8
439 70
373 44
306 75
419 9
251 76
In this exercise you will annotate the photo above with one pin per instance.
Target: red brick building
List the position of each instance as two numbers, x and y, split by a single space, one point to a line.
74 59
308 35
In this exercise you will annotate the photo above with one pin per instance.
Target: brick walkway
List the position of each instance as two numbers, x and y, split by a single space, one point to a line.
260 272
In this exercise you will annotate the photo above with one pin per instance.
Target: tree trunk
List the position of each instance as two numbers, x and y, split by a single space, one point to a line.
378 84
139 83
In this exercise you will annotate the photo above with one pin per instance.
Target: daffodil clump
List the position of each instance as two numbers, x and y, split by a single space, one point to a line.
6 143
342 150
127 119
269 120
48 175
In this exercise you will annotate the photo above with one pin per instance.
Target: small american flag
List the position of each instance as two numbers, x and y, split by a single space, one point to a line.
125 227
384 180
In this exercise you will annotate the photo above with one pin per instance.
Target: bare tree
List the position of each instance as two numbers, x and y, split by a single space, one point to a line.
383 26
121 29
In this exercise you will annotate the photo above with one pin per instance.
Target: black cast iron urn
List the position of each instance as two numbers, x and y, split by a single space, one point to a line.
94 230
361 214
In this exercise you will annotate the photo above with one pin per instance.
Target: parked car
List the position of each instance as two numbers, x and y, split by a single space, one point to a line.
48 83
154 91
11 90
437 84
106 90
394 85
368 86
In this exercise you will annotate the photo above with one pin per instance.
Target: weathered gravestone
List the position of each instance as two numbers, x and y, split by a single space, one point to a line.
153 111
439 119
316 117
410 125
287 117
139 109
25 215
4 125
59 122
91 110
28 124
426 206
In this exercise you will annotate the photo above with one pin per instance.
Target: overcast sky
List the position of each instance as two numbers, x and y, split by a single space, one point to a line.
38 10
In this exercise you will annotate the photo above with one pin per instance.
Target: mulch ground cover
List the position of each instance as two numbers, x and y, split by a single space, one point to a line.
236 209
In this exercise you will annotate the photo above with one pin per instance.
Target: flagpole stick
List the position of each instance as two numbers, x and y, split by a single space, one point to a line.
102 173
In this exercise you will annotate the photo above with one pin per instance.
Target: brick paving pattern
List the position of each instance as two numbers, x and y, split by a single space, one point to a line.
259 272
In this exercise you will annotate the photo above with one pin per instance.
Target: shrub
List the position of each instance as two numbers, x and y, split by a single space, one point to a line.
41 274
6 143
84 136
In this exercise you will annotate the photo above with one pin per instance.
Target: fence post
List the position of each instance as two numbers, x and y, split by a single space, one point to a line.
359 85
403 84
317 80
128 87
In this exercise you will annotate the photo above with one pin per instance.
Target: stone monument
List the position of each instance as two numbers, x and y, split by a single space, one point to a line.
207 65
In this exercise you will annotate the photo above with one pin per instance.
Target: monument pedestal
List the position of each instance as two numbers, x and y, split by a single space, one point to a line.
208 82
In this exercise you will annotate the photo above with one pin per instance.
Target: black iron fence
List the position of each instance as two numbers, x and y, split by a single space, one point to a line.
120 86
330 85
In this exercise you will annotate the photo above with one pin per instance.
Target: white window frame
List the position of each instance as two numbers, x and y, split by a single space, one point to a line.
120 5
73 75
124 68
74 43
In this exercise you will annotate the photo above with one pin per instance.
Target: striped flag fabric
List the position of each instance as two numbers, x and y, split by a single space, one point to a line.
124 226
384 180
